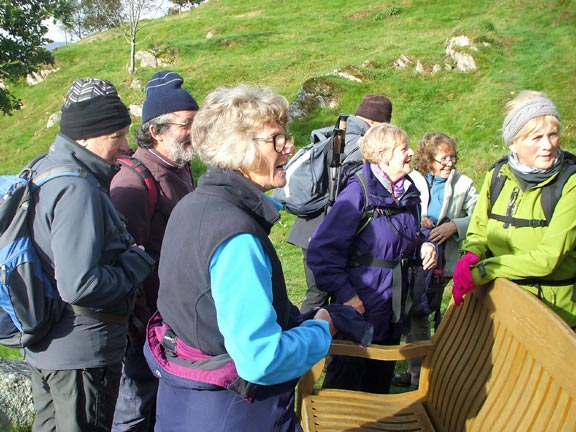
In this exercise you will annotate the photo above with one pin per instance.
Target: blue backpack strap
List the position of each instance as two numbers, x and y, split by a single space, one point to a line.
38 179
60 171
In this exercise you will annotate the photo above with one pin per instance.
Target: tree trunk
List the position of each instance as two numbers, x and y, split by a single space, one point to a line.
132 56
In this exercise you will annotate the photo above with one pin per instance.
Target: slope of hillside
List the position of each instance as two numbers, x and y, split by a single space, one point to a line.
283 43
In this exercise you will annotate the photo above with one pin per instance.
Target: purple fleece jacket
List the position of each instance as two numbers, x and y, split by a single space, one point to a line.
388 238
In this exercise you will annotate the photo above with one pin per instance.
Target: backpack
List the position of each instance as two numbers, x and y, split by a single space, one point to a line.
548 200
312 174
29 304
427 288
139 168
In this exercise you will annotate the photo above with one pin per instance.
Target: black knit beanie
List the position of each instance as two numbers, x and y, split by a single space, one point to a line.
92 108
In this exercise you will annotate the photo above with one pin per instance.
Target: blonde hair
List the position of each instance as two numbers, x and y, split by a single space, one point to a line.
381 138
223 130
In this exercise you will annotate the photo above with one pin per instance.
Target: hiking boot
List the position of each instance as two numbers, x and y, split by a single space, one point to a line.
402 380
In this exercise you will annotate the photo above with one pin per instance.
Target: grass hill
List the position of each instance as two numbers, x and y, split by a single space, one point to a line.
282 43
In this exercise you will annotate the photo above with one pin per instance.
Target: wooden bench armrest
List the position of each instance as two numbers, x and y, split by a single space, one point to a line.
376 352
382 352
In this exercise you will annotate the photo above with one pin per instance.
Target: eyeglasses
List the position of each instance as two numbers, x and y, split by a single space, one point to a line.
447 159
280 141
183 125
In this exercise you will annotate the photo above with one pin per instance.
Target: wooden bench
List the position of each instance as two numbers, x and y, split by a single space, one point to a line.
502 361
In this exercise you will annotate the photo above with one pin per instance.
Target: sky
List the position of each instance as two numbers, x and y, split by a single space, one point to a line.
54 32
58 35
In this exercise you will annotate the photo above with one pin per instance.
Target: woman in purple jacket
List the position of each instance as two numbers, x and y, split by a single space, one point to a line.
361 252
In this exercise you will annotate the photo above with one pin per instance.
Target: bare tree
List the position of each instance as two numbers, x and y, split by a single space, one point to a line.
129 20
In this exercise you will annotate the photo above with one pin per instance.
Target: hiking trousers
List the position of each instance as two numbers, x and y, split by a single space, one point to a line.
77 400
136 404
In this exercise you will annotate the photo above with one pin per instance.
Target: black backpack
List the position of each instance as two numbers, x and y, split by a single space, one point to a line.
549 198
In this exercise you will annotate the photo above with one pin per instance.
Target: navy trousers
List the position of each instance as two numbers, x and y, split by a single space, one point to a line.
190 410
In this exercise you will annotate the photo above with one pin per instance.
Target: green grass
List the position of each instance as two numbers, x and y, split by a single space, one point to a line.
282 43
10 354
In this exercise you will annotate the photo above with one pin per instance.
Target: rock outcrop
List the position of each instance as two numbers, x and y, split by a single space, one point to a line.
16 407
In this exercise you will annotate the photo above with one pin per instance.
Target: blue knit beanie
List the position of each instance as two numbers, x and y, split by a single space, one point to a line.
164 94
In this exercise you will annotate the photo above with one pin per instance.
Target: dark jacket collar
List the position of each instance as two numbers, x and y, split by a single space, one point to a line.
67 150
234 187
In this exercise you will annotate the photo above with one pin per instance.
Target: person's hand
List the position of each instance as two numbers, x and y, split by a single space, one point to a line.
426 222
324 315
442 232
463 281
356 303
428 255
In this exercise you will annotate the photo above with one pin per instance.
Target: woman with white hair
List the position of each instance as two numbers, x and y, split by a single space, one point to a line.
226 342
510 235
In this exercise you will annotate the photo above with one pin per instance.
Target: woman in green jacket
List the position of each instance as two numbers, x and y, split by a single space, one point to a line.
512 237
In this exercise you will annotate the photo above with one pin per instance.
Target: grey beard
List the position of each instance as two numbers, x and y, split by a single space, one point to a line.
181 152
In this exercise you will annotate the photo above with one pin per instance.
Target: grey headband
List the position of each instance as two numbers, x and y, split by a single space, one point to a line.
519 116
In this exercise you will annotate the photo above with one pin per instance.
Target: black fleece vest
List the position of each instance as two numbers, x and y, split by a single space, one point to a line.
223 205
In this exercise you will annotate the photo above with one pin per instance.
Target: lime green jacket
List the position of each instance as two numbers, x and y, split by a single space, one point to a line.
527 252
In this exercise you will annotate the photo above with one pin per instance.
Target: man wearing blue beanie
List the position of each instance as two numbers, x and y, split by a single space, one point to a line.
164 153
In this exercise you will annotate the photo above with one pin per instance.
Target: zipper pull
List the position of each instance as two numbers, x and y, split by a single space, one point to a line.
4 274
511 205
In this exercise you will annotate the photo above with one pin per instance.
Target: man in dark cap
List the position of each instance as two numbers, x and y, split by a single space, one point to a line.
92 261
165 150
373 110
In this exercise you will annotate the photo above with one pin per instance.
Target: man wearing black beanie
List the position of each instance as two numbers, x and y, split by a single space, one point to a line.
165 150
92 261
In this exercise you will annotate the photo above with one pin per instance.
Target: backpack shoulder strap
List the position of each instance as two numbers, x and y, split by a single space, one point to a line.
144 173
554 188
496 185
366 215
60 171
497 181
52 173
417 211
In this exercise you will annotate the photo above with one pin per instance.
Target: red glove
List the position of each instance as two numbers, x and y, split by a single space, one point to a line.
463 281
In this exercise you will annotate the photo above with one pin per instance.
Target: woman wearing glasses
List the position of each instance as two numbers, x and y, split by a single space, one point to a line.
361 251
226 341
448 200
